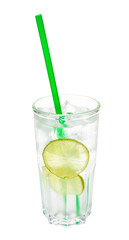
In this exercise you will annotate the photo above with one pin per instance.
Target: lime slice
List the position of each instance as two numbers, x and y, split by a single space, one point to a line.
65 158
63 185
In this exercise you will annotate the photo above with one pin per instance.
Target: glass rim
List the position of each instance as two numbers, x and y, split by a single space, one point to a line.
72 115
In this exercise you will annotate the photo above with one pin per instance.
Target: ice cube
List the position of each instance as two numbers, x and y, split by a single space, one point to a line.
47 109
70 108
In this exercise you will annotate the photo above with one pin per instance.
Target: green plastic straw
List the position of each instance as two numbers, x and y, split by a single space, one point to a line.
51 76
48 62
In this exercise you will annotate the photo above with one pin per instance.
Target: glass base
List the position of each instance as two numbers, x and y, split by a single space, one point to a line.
67 209
66 222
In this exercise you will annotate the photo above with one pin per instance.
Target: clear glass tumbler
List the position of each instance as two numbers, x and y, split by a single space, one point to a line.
66 151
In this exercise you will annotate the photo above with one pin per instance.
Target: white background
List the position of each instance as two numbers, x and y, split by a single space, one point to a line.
89 44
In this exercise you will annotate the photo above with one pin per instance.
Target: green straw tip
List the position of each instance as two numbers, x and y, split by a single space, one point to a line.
39 15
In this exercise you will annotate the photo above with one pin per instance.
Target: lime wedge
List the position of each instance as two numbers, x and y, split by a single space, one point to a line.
65 158
63 185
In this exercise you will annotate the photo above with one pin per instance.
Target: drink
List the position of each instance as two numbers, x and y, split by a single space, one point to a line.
66 151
